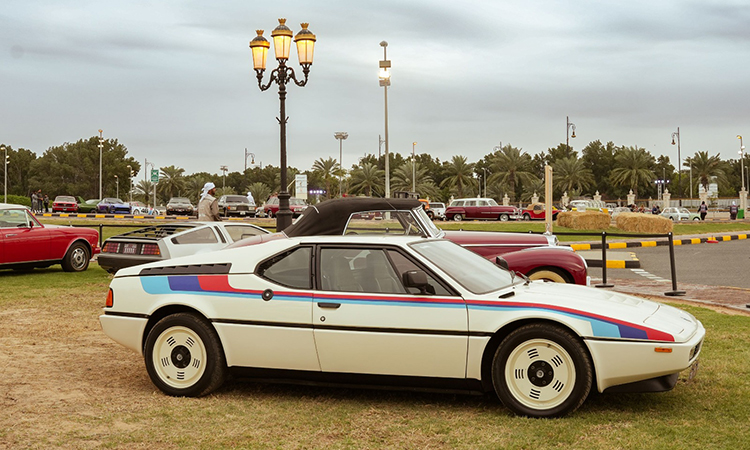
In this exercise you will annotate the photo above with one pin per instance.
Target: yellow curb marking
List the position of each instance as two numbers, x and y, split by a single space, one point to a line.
615 264
618 245
578 247
648 244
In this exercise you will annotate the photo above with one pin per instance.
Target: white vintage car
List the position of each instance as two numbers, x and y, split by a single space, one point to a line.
392 310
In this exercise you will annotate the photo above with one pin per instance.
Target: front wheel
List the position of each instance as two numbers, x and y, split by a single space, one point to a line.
184 356
458 217
77 258
542 370
526 217
548 275
696 219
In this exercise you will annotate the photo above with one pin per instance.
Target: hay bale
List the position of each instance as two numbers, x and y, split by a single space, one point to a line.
584 220
643 223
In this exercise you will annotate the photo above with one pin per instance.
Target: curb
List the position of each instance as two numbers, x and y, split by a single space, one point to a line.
124 216
632 263
632 244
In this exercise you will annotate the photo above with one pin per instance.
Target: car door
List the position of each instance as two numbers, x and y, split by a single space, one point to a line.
472 212
366 321
24 239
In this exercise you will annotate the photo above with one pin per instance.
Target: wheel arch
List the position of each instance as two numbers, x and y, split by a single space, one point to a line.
556 269
80 240
494 342
168 310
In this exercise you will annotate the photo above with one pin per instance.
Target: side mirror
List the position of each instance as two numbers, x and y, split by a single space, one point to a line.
416 279
502 263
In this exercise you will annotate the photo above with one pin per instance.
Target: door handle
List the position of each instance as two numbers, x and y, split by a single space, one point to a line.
329 305
12 234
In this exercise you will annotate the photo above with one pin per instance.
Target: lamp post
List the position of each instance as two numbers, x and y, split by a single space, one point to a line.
742 161
385 81
5 178
679 162
282 38
413 168
252 158
224 170
101 146
341 135
484 180
130 183
117 182
145 170
567 132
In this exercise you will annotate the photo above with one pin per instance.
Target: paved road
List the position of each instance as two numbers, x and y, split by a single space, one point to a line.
722 264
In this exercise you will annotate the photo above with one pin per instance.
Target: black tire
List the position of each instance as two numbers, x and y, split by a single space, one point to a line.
458 217
697 219
527 217
542 370
270 214
111 210
431 215
184 357
77 259
504 218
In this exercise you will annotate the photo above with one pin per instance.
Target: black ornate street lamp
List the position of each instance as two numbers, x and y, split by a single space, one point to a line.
679 166
282 38
567 132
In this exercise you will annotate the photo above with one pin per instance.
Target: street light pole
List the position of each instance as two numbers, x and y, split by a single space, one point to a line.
567 132
742 161
341 135
145 167
224 182
413 168
5 178
130 183
282 38
679 163
252 159
117 182
484 179
385 81
101 146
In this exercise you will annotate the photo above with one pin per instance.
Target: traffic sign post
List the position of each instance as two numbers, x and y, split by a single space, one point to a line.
154 175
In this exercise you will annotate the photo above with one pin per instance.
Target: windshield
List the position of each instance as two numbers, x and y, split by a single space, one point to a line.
432 229
237 199
470 270
492 202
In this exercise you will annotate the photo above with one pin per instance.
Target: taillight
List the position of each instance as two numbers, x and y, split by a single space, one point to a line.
111 247
110 299
150 249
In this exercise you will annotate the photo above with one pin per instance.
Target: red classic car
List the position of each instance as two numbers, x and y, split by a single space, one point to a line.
480 209
534 255
65 203
535 211
296 205
25 243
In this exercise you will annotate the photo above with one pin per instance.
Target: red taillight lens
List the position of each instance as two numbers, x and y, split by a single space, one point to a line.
150 249
111 247
110 299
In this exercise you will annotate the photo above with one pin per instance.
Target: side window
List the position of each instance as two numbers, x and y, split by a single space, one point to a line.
471 203
538 207
290 269
403 265
482 202
458 203
358 270
200 236
239 232
12 218
394 222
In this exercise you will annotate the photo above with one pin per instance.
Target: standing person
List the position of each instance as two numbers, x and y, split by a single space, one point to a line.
733 211
703 210
208 206
34 202
46 203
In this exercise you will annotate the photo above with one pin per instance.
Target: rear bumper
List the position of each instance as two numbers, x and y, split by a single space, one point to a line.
112 262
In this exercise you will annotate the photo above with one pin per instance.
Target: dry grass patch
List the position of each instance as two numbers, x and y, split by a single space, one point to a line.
643 223
584 220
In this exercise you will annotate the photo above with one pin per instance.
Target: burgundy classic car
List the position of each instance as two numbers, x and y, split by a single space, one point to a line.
65 203
479 209
534 255
25 243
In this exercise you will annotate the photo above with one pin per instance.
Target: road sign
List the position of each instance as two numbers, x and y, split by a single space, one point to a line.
154 175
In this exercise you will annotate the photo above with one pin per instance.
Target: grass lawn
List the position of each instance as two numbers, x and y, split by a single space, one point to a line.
63 383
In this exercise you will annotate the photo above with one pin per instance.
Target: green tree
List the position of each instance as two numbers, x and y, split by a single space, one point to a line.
460 177
600 159
326 169
403 176
633 168
260 192
144 191
571 173
19 170
367 179
511 166
171 182
705 168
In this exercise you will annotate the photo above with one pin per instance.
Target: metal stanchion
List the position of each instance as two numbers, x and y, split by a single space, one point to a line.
604 283
674 292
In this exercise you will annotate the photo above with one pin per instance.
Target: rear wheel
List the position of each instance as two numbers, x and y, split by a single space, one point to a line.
184 356
77 258
504 217
458 217
542 370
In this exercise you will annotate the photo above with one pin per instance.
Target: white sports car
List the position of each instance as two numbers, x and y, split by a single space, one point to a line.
392 310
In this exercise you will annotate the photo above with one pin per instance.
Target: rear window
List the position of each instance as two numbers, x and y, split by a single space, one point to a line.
237 199
179 200
437 205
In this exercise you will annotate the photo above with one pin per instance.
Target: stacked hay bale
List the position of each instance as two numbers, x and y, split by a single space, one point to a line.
643 223
584 220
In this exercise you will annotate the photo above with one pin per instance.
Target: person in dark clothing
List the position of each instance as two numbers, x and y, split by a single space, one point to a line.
733 209
703 210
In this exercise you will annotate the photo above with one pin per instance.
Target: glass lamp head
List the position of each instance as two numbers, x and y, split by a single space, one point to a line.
259 46
282 40
305 41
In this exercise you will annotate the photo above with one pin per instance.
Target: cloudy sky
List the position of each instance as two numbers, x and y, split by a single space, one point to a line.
172 80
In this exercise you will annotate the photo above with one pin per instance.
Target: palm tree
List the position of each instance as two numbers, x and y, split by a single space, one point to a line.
533 187
143 191
511 166
368 179
171 181
571 173
260 192
633 168
194 186
402 180
707 167
327 170
460 176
